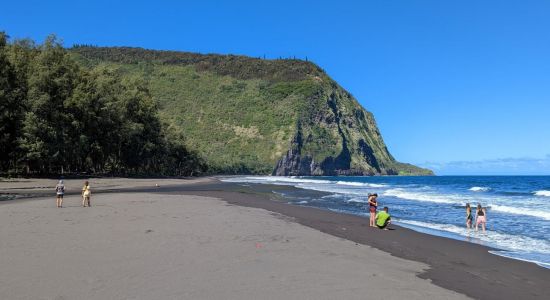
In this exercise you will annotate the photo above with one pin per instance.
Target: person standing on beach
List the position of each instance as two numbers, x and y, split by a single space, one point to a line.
373 204
59 191
86 194
383 219
469 216
481 217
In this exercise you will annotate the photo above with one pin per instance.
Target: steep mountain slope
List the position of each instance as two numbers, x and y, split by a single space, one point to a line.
248 115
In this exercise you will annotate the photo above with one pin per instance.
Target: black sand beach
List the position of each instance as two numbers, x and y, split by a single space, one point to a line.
456 265
160 245
459 266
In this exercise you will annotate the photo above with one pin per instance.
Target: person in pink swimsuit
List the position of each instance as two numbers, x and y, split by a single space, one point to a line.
373 204
481 217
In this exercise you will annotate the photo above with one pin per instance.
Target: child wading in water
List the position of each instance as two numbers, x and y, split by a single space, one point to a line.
372 209
86 194
481 217
469 216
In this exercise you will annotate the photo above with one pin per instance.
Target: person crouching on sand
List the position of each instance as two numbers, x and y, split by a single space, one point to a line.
86 194
383 219
373 204
481 217
59 191
469 216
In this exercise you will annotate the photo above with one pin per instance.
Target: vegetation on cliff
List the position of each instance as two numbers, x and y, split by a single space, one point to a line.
251 115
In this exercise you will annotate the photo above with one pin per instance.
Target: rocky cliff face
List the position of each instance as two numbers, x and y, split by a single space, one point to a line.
336 136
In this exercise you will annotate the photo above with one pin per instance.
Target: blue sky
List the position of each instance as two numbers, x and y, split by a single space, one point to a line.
451 83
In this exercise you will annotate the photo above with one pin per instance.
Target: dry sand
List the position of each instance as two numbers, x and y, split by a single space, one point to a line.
154 246
25 187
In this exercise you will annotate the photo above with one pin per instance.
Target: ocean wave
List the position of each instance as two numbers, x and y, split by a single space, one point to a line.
289 179
309 184
333 189
376 185
274 180
298 180
493 238
352 183
542 193
521 211
509 193
357 200
424 197
479 189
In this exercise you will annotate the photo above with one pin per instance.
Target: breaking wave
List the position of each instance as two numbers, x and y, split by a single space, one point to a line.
542 193
479 189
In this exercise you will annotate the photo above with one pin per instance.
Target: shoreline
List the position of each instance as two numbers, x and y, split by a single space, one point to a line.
519 220
455 265
464 267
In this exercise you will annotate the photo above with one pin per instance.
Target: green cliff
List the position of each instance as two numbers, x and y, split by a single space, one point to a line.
249 115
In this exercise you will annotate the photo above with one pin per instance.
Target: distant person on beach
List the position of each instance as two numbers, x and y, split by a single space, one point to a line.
383 219
481 217
86 194
59 191
373 204
469 216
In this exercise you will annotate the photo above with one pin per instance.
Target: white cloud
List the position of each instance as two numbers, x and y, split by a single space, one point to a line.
501 166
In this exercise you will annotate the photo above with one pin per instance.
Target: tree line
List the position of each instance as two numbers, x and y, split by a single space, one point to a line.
57 117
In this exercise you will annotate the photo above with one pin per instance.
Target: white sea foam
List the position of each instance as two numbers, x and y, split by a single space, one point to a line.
338 187
521 256
521 211
425 197
376 185
357 200
293 180
542 193
289 179
350 183
334 189
479 189
360 184
303 202
490 238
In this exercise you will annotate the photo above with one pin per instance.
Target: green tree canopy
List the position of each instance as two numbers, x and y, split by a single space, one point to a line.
58 117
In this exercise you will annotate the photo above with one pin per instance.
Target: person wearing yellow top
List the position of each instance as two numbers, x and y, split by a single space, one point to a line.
86 194
383 219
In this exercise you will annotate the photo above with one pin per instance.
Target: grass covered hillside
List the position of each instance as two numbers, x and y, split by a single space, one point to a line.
248 115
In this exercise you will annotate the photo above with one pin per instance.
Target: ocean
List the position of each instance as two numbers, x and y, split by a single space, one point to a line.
518 207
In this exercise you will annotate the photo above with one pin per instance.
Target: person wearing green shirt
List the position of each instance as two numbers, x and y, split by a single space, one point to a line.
383 219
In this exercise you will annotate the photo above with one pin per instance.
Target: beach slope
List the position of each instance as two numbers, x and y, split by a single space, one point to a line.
168 246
